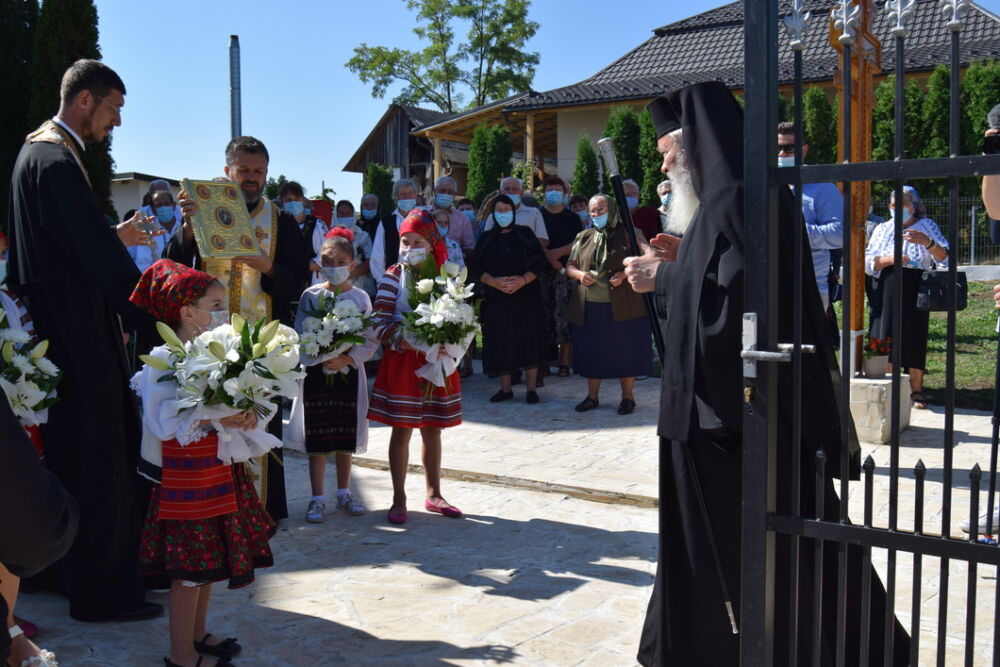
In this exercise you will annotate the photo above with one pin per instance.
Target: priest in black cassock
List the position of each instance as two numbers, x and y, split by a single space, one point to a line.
71 270
700 297
265 285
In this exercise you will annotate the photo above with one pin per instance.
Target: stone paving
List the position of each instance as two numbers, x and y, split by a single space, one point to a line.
535 574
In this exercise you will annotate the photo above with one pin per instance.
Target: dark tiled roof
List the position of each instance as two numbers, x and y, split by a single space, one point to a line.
709 46
421 117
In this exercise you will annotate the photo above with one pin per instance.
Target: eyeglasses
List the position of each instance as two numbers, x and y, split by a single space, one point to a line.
786 148
103 100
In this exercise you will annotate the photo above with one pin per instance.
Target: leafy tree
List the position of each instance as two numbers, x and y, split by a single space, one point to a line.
490 64
586 181
490 154
819 125
623 129
935 123
67 31
981 92
273 186
884 126
17 25
650 161
378 181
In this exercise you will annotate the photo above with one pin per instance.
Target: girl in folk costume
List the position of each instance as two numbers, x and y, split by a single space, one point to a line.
399 398
23 651
205 522
330 417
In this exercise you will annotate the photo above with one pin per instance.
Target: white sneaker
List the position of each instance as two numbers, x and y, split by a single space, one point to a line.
316 513
345 503
982 522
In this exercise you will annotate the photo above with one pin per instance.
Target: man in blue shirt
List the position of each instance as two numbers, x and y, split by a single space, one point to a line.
822 207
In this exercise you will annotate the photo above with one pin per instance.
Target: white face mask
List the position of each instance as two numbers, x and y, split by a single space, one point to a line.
413 256
219 317
337 274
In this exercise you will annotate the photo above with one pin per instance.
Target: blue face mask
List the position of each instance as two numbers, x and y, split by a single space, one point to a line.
632 202
295 208
165 213
444 201
516 199
471 215
504 218
3 271
369 213
907 215
345 222
600 221
443 231
554 198
665 200
406 205
583 215
786 161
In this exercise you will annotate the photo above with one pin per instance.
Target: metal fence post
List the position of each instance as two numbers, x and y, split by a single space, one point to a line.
972 235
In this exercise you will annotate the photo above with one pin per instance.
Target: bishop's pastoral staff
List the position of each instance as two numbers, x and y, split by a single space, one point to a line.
700 295
261 286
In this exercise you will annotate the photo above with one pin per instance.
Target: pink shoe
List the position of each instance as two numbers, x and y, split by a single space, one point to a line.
444 510
397 518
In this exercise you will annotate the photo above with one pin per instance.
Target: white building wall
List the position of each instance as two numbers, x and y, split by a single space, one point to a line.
127 194
571 123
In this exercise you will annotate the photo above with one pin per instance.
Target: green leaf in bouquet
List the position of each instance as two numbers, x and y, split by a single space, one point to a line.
262 370
169 336
239 323
267 333
155 362
39 351
257 327
429 269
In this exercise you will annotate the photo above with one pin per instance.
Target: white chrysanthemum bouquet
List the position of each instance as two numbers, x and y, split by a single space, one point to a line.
441 317
229 369
27 378
333 329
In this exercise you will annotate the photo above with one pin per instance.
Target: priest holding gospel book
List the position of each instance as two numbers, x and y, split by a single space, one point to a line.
262 285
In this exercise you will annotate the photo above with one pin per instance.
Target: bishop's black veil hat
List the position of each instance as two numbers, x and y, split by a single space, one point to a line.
664 119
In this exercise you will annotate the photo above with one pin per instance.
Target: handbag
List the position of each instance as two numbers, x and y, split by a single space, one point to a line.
932 293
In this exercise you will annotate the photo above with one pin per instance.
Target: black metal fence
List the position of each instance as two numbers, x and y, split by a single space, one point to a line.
931 573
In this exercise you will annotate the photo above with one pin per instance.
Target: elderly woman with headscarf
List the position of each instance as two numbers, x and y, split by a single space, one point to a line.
508 260
924 247
611 335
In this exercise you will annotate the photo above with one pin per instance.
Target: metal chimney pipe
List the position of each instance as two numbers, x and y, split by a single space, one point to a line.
235 110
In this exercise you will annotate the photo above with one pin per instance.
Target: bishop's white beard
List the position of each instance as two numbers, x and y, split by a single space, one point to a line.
683 200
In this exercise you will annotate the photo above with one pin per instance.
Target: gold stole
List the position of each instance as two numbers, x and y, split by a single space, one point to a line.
247 297
52 133
242 283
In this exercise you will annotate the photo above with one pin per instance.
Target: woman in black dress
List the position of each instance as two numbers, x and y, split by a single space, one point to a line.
507 261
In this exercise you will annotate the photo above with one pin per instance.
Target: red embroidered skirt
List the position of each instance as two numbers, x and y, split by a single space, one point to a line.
399 397
209 544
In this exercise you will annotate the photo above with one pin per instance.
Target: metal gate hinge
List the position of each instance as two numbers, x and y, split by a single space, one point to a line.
751 355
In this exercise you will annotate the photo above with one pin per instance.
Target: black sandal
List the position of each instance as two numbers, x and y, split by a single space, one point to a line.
919 400
586 404
626 407
564 371
224 650
221 662
501 396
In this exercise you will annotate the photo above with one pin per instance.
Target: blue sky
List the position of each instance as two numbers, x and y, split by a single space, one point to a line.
298 97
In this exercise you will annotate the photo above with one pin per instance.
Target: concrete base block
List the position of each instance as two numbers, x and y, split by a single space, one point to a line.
871 403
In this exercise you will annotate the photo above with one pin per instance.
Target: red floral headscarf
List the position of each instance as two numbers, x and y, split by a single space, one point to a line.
421 222
166 286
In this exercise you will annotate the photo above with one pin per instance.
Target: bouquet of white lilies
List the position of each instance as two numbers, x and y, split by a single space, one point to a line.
440 318
27 378
333 329
229 369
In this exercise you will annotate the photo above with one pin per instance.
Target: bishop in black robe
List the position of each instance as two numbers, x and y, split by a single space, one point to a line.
700 297
289 277
74 275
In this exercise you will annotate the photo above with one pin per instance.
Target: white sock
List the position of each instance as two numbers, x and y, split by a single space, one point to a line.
343 492
320 498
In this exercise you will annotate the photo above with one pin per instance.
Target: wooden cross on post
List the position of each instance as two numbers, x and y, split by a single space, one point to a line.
851 25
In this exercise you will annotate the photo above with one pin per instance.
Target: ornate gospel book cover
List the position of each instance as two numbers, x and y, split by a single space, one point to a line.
222 226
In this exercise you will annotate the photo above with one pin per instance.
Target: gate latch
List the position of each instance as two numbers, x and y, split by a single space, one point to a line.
751 355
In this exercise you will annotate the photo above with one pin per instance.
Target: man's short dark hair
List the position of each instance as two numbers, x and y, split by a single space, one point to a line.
554 180
250 145
577 199
291 188
788 127
464 201
92 75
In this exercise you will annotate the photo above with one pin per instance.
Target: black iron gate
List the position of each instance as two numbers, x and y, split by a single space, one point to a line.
766 531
